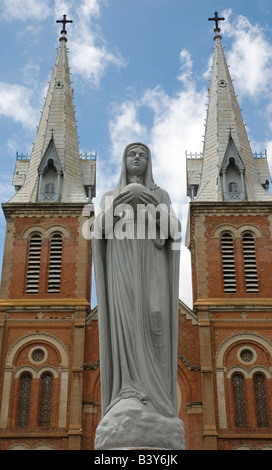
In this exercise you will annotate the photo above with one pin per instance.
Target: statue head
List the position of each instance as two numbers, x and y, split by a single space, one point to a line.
136 159
136 163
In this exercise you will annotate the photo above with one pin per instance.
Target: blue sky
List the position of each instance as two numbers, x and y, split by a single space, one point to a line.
140 71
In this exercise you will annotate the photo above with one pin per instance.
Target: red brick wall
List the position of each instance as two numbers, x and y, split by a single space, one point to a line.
213 260
19 259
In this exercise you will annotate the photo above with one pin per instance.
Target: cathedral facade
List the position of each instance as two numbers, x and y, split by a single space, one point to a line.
49 339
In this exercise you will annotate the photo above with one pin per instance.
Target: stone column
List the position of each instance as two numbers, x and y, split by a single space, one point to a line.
208 396
75 427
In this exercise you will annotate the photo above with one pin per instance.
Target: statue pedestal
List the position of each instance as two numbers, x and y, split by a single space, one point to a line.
132 425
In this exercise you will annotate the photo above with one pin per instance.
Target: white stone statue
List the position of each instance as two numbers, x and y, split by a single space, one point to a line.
136 256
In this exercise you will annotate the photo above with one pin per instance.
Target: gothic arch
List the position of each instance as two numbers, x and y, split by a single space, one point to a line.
25 447
237 231
53 371
220 229
43 447
29 369
19 447
36 373
9 371
221 370
34 229
64 231
248 373
46 233
237 337
38 337
250 228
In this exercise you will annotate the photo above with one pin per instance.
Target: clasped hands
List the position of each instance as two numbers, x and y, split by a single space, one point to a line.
126 198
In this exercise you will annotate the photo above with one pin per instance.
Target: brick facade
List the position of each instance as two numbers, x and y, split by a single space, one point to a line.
210 339
53 323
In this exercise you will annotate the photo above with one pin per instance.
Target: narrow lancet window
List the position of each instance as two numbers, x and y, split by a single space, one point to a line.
24 399
250 265
46 399
54 275
261 400
33 268
228 263
238 388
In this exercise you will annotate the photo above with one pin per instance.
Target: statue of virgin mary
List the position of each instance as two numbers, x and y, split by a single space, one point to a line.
137 291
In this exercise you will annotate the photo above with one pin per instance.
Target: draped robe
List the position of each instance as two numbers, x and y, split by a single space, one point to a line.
137 292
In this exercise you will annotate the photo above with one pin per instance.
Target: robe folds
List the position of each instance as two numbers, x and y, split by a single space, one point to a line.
137 293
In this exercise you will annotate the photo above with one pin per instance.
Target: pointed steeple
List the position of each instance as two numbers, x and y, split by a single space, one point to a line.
54 173
229 171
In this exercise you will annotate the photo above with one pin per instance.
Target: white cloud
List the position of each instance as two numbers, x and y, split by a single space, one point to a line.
15 103
178 125
6 188
30 74
250 56
186 66
125 127
25 9
90 55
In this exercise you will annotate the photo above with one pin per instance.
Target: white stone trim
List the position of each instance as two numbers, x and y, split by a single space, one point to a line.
237 232
38 346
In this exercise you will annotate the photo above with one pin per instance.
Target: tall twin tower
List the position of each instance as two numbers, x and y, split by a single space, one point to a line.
49 353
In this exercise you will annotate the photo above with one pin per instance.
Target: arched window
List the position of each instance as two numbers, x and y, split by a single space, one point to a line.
261 400
250 264
54 275
238 389
233 187
228 262
49 188
50 175
24 399
46 398
33 267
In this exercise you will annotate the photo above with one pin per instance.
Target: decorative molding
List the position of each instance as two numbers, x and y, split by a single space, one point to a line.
220 369
248 374
237 232
38 337
238 337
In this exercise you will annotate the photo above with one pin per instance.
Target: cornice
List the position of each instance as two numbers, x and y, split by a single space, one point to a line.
43 302
243 207
234 304
39 208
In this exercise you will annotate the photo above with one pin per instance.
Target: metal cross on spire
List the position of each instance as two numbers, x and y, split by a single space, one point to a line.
216 19
64 22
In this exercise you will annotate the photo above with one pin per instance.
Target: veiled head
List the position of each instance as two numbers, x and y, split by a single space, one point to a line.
136 159
147 173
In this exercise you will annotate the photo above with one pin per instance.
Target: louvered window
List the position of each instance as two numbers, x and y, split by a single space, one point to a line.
34 259
250 265
24 399
238 389
228 262
55 264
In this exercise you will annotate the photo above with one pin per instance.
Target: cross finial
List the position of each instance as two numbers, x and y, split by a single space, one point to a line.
216 19
64 22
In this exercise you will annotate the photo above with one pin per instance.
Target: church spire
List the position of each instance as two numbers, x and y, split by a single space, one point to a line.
54 173
229 171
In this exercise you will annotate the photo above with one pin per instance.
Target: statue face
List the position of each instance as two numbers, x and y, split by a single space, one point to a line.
136 160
